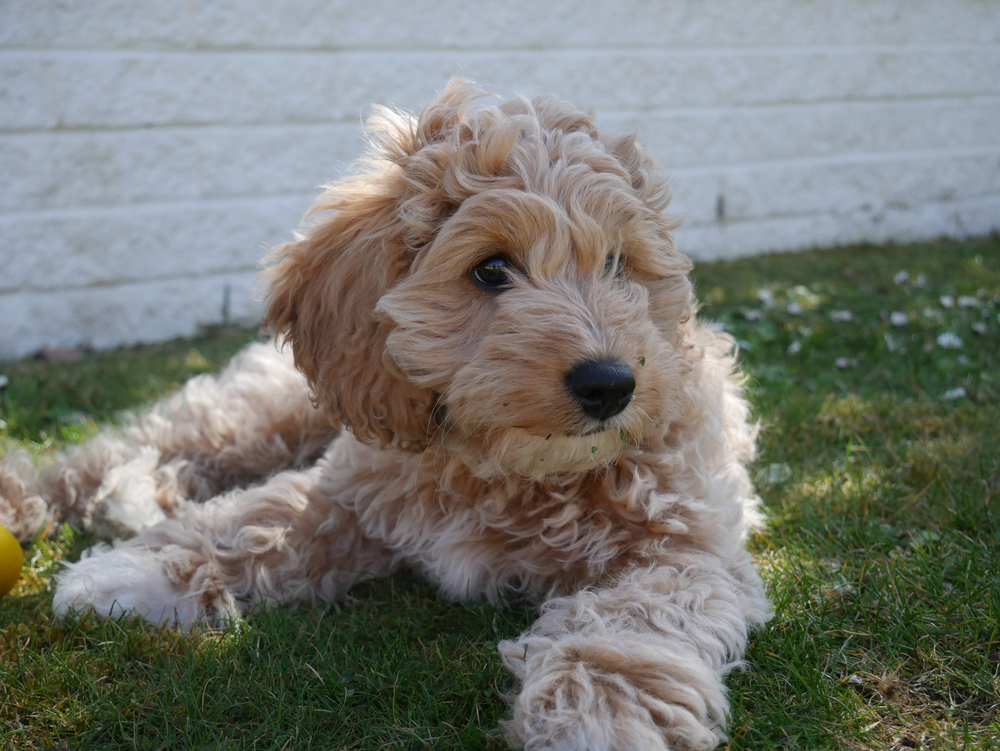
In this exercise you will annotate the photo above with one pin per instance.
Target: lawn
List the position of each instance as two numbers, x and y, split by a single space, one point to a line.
875 374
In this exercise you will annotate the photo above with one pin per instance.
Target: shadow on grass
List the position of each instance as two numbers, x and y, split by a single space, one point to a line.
391 665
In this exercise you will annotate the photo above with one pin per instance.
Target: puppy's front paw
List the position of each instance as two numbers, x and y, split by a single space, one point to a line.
593 694
127 578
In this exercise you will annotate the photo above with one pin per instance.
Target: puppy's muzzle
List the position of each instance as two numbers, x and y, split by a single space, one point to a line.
602 388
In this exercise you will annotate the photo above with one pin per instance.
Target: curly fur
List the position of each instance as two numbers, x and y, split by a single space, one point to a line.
425 422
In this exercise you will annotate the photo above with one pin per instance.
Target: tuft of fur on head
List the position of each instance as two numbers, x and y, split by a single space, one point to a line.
402 348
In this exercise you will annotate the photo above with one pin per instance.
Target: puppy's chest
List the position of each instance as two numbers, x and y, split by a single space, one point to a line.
477 537
496 537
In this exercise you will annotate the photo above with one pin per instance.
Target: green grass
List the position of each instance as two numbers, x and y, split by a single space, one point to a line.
881 551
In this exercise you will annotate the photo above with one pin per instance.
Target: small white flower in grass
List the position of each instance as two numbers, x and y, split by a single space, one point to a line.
932 315
899 318
967 301
902 277
979 327
921 281
766 297
952 394
794 348
947 301
962 360
755 314
841 316
949 340
843 363
744 345
890 342
804 296
794 308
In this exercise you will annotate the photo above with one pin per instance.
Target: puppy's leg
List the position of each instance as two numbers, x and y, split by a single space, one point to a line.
252 420
236 429
67 489
639 663
281 542
22 509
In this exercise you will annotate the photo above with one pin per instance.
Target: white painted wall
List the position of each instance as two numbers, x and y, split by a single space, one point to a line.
150 150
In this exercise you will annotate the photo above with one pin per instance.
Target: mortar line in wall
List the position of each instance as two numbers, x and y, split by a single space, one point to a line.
110 210
987 99
353 123
736 223
528 50
129 282
796 107
837 160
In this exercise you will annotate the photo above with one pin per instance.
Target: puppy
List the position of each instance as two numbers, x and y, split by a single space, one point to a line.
495 379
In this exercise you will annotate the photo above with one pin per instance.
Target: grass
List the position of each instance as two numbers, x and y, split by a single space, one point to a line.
881 552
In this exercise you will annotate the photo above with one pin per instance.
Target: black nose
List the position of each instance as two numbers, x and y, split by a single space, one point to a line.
603 388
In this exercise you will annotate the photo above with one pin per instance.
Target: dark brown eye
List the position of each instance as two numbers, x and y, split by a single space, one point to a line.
492 273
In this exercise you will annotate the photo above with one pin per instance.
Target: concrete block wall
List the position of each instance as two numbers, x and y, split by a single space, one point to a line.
150 151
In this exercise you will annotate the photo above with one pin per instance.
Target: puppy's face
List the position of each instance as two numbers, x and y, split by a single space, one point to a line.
530 318
505 285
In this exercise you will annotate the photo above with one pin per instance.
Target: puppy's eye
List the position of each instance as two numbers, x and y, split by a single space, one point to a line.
610 266
492 273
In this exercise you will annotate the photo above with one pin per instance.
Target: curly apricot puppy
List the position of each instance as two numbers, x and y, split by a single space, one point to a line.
493 313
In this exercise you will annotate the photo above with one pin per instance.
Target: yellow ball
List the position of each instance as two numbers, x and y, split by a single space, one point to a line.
11 561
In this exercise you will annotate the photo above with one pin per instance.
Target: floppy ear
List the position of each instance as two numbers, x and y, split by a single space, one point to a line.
366 230
321 298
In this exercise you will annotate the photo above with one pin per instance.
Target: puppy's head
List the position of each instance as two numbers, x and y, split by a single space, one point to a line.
499 280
